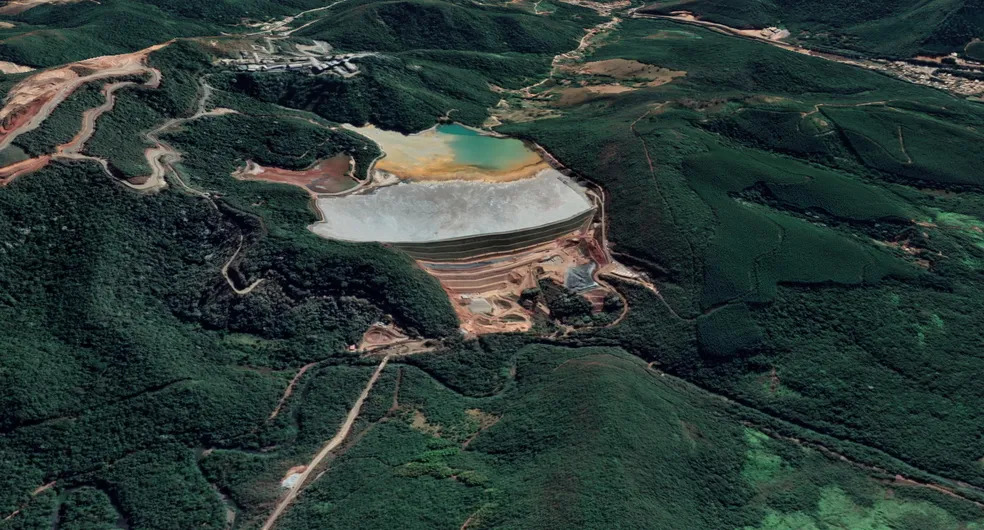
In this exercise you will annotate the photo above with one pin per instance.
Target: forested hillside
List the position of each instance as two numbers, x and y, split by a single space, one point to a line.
792 338
898 28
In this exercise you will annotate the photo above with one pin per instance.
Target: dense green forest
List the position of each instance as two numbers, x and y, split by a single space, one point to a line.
402 26
815 232
810 291
53 34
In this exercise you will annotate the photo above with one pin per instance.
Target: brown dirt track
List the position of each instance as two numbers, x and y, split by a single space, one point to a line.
289 390
90 116
337 440
24 167
380 336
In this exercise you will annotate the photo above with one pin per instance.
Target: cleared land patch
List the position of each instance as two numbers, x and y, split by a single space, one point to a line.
332 175
32 100
626 69
8 67
576 95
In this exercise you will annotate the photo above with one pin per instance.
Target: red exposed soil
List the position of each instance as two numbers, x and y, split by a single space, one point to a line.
331 175
30 101
13 7
597 298
19 116
24 167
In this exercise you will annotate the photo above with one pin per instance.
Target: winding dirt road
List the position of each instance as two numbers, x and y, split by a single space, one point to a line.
249 288
31 101
89 118
162 156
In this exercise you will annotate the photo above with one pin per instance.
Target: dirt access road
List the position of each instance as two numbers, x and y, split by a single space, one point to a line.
753 34
162 157
31 101
332 444
89 118
71 149
225 274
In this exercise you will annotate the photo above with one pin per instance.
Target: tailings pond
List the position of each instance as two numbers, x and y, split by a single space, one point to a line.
453 152
453 182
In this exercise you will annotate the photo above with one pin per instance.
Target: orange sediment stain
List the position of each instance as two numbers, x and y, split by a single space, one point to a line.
331 175
431 155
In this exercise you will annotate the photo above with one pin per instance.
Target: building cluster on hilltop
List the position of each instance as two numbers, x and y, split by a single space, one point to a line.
336 64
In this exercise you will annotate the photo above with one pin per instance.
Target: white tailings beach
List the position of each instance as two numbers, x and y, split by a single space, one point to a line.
414 212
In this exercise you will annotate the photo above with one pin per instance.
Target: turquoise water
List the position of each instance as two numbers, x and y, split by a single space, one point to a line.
487 152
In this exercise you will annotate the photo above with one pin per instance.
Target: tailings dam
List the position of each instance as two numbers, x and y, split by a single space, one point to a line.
485 215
